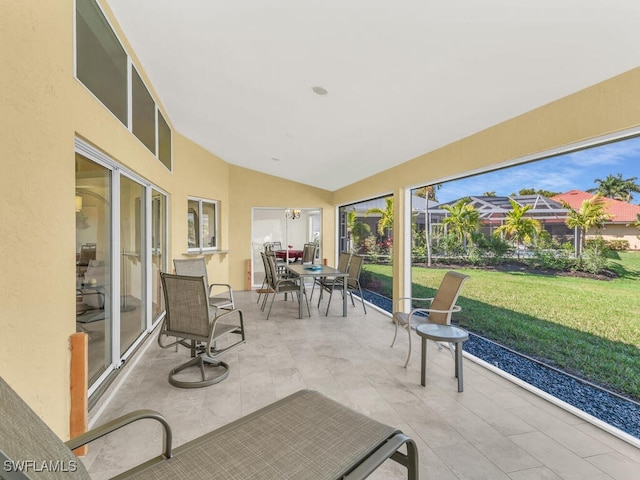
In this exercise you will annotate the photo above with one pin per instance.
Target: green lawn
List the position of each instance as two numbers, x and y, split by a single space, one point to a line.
587 327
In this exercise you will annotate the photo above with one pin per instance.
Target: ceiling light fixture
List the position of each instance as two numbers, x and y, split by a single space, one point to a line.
292 214
319 90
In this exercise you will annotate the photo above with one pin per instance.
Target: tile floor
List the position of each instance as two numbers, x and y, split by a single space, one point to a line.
493 430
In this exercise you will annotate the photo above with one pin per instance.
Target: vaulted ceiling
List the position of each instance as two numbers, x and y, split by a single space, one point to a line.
401 77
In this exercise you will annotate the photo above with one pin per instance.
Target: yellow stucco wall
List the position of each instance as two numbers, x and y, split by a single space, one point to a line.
44 108
37 204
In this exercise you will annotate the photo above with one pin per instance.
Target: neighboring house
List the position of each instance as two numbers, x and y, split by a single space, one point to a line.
493 210
623 215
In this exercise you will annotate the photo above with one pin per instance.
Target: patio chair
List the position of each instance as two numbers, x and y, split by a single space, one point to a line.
265 289
353 283
343 265
281 273
197 267
305 436
282 283
87 253
437 309
196 325
309 252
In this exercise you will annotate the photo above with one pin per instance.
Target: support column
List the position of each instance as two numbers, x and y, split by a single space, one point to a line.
79 344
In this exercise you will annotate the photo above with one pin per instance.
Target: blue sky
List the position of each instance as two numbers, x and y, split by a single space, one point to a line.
576 170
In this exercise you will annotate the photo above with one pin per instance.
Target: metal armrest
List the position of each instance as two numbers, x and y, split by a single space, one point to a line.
454 309
226 285
389 450
120 422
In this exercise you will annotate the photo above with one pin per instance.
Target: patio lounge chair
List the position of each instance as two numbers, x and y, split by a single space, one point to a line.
302 436
437 309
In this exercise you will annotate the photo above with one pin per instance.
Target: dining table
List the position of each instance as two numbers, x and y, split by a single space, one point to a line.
303 271
288 254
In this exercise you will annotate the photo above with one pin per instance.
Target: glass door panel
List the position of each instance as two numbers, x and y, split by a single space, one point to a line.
132 260
93 262
159 255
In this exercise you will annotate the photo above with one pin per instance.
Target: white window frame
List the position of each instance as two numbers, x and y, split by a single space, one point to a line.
199 248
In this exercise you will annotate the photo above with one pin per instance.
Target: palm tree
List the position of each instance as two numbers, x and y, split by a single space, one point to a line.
428 192
616 187
592 214
357 230
463 219
385 224
637 223
518 226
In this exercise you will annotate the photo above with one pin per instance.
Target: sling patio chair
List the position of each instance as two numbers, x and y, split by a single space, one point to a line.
343 265
353 282
309 252
197 267
437 309
198 326
305 436
281 283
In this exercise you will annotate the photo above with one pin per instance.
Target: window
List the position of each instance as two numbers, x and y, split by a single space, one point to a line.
164 141
202 223
143 112
101 60
102 66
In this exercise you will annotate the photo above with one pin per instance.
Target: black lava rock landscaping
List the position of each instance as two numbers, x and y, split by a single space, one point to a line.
608 407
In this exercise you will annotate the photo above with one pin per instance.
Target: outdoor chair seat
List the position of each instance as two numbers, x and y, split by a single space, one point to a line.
303 436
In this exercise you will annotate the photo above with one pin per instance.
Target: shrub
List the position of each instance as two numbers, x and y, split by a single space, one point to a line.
553 259
369 281
493 248
617 245
594 257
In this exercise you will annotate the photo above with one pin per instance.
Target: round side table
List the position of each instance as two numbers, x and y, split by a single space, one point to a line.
442 333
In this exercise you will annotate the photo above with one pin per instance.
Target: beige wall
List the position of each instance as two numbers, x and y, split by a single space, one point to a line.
44 107
37 210
618 232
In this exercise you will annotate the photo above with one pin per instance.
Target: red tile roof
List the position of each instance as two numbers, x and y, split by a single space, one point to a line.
622 212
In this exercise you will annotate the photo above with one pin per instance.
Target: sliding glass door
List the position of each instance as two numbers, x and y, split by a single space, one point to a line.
132 255
121 248
94 313
159 252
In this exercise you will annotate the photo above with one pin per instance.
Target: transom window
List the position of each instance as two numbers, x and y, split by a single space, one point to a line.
102 65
